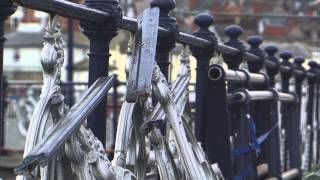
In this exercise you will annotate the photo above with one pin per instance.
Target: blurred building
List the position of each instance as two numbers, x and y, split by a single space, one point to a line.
274 19
291 24
24 32
25 29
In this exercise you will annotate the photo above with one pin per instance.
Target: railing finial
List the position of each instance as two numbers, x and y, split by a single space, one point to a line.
234 32
255 42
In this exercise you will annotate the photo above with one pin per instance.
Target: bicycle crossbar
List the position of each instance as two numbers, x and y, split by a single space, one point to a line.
50 145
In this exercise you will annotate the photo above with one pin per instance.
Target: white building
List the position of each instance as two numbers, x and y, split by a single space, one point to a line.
23 47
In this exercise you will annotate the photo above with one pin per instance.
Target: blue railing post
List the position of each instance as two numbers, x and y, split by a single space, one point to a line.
100 35
6 9
167 42
238 118
203 55
273 144
260 111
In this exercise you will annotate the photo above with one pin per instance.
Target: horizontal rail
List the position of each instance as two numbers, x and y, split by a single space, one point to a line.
290 174
270 64
287 175
295 71
244 95
286 97
283 68
130 24
216 73
262 170
250 57
66 9
272 178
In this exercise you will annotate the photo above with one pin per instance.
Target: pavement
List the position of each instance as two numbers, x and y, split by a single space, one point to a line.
7 175
7 163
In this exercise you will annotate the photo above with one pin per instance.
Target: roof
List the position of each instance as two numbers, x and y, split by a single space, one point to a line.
35 40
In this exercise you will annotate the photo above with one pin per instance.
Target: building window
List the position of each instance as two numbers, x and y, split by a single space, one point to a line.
16 56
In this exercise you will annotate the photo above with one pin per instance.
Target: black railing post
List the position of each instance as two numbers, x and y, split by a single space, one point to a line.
168 42
100 35
203 55
273 144
286 75
272 71
299 78
6 9
217 123
285 122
